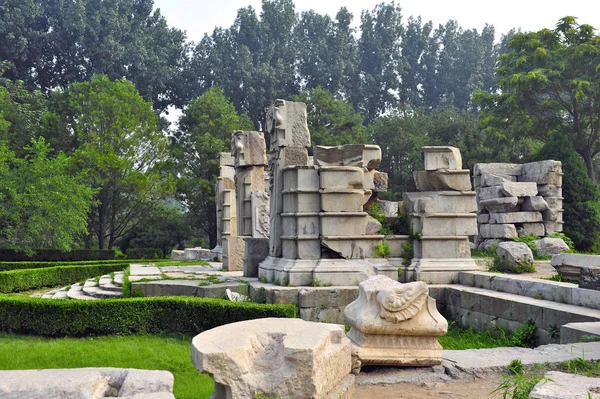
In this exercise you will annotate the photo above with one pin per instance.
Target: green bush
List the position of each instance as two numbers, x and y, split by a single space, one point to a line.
5 266
54 255
145 253
581 195
171 315
28 279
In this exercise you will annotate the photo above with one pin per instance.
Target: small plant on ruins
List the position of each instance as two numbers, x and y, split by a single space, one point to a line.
377 212
518 384
317 282
528 239
500 266
525 336
382 250
515 366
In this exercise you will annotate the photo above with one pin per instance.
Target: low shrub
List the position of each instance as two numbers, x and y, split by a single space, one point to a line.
171 315
145 253
54 255
28 279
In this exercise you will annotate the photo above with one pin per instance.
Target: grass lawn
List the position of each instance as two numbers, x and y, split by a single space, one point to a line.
137 351
161 353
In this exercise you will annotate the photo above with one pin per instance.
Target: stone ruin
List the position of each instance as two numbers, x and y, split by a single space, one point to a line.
320 233
242 200
442 217
517 199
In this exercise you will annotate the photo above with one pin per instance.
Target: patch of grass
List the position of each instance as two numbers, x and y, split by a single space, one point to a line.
478 253
559 278
135 351
459 338
518 385
382 250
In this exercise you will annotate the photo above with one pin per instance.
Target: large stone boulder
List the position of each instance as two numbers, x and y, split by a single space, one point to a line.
278 358
86 383
550 246
514 257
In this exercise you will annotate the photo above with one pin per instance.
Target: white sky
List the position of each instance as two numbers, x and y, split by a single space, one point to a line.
199 17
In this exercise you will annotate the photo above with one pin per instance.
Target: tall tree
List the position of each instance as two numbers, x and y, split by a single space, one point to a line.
42 204
54 42
380 64
331 121
205 130
117 140
550 81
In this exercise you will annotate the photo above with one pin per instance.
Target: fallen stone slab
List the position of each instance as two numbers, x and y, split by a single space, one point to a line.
503 204
569 265
288 358
542 172
499 169
481 362
580 332
559 385
86 383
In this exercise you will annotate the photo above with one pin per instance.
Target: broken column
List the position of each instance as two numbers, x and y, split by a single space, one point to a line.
226 207
442 217
248 151
320 232
394 324
516 200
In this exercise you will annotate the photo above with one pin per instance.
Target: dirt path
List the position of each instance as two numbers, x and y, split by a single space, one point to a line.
472 389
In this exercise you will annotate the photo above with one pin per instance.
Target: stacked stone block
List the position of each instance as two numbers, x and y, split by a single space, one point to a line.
320 231
518 199
442 217
226 206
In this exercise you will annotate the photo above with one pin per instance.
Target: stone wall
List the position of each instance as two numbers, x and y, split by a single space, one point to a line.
517 199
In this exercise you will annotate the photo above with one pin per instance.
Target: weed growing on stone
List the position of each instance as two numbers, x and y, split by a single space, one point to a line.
317 282
518 383
382 250
525 336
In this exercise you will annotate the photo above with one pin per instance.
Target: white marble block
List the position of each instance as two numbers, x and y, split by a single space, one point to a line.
442 157
394 324
275 358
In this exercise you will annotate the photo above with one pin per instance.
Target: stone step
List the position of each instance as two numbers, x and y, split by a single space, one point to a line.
566 293
61 295
78 293
49 294
99 293
90 283
483 308
106 279
118 279
111 287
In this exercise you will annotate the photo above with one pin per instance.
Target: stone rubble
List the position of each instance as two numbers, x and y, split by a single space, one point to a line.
523 199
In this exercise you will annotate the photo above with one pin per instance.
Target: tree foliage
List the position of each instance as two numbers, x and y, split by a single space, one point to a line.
116 138
331 121
43 204
53 42
581 194
550 83
205 130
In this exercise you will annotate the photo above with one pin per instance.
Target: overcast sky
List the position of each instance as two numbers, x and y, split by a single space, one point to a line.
199 17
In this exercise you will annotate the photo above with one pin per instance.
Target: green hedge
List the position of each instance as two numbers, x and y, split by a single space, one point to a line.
9 255
173 315
28 279
4 266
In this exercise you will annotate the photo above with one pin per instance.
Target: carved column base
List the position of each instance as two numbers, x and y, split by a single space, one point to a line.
394 350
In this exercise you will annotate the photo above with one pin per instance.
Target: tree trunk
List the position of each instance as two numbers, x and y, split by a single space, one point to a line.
589 163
